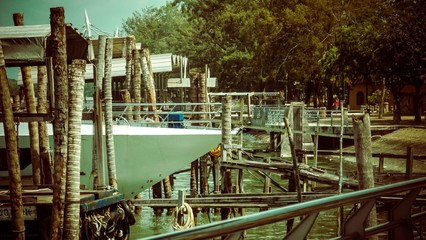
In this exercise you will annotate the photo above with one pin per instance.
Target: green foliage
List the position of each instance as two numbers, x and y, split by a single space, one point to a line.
376 97
305 46
162 30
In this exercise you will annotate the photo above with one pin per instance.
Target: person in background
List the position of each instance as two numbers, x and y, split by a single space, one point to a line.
336 104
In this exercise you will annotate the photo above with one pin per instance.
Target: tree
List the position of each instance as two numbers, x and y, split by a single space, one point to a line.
309 48
43 107
15 185
72 195
161 30
18 19
60 124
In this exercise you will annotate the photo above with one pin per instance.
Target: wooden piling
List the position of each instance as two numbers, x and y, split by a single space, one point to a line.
148 79
203 96
167 191
156 193
363 154
204 186
267 180
226 128
127 81
98 166
194 178
42 107
294 158
72 196
136 83
15 185
112 171
18 19
60 123
226 151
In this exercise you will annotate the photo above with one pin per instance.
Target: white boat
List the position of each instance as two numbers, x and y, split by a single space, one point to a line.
144 155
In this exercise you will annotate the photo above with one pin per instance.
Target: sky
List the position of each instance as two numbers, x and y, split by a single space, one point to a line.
106 15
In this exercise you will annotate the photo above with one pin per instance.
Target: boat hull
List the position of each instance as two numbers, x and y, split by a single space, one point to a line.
144 156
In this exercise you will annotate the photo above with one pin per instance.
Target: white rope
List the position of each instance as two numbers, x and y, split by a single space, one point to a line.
190 222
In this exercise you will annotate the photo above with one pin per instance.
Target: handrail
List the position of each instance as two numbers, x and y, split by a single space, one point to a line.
164 110
289 212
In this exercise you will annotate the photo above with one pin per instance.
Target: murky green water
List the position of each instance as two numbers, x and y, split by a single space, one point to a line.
325 226
148 224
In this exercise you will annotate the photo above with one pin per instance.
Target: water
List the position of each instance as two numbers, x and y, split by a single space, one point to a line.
149 224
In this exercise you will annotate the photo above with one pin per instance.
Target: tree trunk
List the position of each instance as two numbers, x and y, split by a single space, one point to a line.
60 124
72 196
127 81
137 83
112 175
18 19
149 81
98 157
15 185
43 107
363 152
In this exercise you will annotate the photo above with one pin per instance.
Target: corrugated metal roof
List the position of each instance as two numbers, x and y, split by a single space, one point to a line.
160 63
26 45
27 31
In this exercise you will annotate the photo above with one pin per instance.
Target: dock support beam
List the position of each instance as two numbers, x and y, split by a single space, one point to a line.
362 138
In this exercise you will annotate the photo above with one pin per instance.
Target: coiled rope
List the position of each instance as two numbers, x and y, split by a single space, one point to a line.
179 214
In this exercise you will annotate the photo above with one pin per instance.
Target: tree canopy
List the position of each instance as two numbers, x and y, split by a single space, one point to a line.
307 48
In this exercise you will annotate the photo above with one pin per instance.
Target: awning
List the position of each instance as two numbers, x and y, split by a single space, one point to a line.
26 45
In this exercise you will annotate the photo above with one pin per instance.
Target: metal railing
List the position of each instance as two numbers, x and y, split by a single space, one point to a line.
257 115
399 224
167 113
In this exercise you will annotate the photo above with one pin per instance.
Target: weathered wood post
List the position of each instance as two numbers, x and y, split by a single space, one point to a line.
42 107
203 96
72 196
15 185
137 84
98 166
267 183
18 19
107 89
204 186
294 158
294 181
127 81
148 79
226 151
363 154
60 123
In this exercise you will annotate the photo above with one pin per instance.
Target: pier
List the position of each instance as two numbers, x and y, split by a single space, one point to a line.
276 158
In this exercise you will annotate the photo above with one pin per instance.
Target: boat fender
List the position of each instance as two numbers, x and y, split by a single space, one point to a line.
129 214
